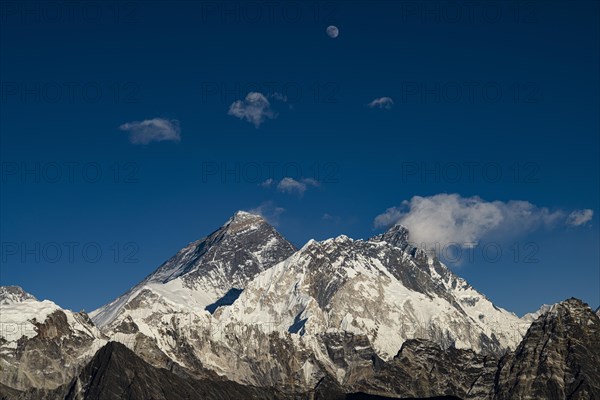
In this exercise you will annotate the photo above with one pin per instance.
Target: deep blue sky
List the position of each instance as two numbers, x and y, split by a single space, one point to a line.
72 74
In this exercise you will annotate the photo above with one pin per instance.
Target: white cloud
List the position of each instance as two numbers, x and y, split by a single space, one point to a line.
449 218
381 102
152 130
267 183
269 211
255 108
290 185
580 217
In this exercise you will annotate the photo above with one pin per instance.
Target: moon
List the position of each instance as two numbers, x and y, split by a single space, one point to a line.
332 31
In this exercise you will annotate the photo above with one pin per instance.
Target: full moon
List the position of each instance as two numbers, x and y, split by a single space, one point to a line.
333 31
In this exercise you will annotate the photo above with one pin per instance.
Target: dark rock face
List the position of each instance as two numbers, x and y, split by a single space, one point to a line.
423 369
397 236
127 326
229 254
352 353
118 373
559 357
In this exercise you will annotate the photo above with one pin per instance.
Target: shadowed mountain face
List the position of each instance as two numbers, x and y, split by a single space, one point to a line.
116 373
559 357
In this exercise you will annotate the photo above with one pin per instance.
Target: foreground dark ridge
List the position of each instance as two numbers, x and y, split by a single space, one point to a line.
117 373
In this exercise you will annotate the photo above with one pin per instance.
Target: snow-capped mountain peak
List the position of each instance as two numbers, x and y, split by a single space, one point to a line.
241 215
204 271
14 294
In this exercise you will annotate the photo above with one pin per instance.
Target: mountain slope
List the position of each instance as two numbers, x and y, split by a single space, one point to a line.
42 345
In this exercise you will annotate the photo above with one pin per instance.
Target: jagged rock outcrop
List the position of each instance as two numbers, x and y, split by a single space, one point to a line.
557 359
42 345
423 369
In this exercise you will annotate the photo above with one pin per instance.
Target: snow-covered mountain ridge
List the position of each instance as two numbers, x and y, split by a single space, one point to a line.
246 304
220 300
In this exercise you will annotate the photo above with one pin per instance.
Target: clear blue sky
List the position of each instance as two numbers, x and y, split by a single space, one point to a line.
502 87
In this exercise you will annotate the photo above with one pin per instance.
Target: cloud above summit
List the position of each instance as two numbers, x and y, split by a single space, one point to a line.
269 211
450 218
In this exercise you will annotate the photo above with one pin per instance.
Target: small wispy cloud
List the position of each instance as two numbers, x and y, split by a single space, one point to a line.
291 185
269 211
255 108
152 130
267 183
279 96
580 217
451 218
381 102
